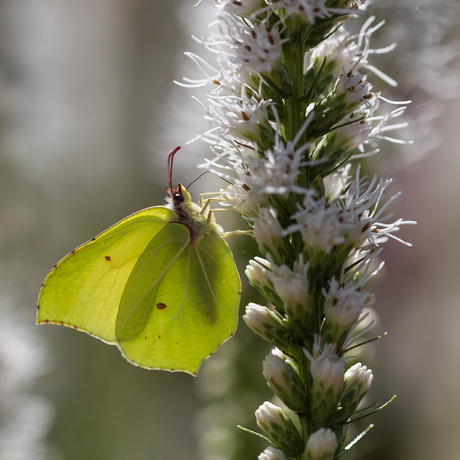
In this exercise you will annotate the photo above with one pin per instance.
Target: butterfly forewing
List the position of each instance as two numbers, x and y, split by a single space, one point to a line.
84 289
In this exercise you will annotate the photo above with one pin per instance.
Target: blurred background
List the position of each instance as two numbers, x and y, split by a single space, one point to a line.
88 112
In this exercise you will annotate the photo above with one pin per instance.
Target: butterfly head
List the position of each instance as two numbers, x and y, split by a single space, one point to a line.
178 196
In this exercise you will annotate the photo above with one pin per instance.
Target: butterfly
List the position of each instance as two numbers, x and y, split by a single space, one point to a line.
161 285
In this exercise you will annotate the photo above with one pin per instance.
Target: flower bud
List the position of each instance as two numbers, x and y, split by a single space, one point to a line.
268 231
321 445
327 371
268 325
285 383
357 381
292 288
270 453
279 429
257 271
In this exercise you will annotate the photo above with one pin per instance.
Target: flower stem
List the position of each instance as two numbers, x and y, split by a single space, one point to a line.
293 57
305 419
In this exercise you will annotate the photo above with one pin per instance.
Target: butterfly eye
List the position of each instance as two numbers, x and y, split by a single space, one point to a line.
178 198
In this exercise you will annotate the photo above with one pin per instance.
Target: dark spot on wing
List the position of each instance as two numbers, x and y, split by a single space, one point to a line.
47 321
92 239
61 323
38 307
161 306
159 336
75 327
72 251
107 258
145 337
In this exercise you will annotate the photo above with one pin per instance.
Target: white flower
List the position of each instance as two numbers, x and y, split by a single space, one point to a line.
363 210
351 219
256 45
238 116
322 444
243 8
355 87
307 10
344 304
381 123
320 224
256 177
342 51
226 77
277 172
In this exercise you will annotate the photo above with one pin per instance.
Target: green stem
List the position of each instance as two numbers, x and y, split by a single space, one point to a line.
293 57
306 421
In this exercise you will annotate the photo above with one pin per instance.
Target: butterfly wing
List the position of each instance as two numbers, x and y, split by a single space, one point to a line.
84 289
180 303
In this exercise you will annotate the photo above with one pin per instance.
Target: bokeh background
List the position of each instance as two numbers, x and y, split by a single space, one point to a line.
88 112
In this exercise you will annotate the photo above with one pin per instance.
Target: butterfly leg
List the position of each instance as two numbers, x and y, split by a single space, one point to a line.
237 232
203 195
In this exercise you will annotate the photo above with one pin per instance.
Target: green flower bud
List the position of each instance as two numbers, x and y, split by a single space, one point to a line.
285 383
257 271
357 381
279 429
268 325
268 232
292 288
327 371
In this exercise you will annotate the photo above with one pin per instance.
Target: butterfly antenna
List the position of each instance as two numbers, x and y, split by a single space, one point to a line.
194 180
170 168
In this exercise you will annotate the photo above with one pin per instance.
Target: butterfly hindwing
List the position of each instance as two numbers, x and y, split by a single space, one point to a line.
180 302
